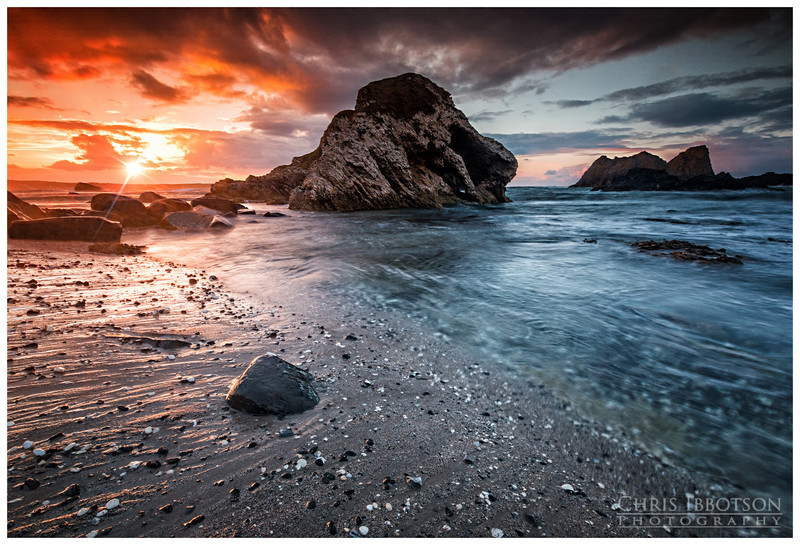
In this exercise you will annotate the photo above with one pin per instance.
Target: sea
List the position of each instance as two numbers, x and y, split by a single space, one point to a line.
692 359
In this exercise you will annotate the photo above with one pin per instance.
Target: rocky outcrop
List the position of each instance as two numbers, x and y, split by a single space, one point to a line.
81 186
603 170
17 209
693 162
643 179
690 170
80 228
271 385
405 145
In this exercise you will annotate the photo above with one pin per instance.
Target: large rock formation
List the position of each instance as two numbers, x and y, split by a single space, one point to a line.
645 179
17 209
271 385
127 210
404 145
693 162
603 170
690 170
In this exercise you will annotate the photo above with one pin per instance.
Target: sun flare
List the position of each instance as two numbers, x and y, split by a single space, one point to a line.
134 168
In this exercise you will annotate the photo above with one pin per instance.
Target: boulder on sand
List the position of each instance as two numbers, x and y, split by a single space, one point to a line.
271 385
83 228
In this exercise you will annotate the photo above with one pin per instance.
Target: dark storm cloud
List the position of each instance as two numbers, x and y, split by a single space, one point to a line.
684 84
551 142
318 58
35 102
707 108
152 88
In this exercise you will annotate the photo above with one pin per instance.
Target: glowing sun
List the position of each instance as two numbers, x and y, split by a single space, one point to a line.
134 168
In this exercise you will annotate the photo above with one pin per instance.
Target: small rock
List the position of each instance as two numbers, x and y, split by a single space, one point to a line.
39 452
567 487
27 445
331 527
167 508
286 432
31 483
301 463
195 520
112 504
82 511
414 482
311 504
148 430
497 532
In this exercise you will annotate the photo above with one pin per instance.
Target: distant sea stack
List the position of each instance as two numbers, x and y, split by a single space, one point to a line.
690 170
405 145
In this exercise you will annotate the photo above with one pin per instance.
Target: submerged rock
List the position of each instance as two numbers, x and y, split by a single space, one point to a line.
686 251
80 228
404 145
271 385
81 186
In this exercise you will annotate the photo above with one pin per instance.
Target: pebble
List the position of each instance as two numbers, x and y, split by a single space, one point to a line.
39 452
363 530
414 482
112 504
148 430
497 532
82 511
93 533
133 465
301 463
59 370
27 445
195 520
567 487
311 504
388 506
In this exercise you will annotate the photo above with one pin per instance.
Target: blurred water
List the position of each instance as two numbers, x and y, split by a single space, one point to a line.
696 359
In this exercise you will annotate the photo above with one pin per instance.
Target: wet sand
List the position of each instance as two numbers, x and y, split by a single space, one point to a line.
118 367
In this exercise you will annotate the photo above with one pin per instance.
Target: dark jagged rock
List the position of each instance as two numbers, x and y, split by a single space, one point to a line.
405 145
642 179
225 206
81 186
82 228
693 162
603 170
150 196
271 385
160 208
690 170
686 251
128 211
195 221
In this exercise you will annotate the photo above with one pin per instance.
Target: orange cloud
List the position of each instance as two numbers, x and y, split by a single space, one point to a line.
97 153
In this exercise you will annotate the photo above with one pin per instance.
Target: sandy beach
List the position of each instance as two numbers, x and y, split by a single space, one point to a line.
118 367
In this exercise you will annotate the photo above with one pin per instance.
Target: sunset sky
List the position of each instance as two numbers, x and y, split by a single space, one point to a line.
196 95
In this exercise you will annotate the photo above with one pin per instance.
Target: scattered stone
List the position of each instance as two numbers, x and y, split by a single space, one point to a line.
167 508
31 483
497 532
311 504
117 249
331 527
112 504
363 530
27 445
414 482
39 452
286 432
195 520
72 490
